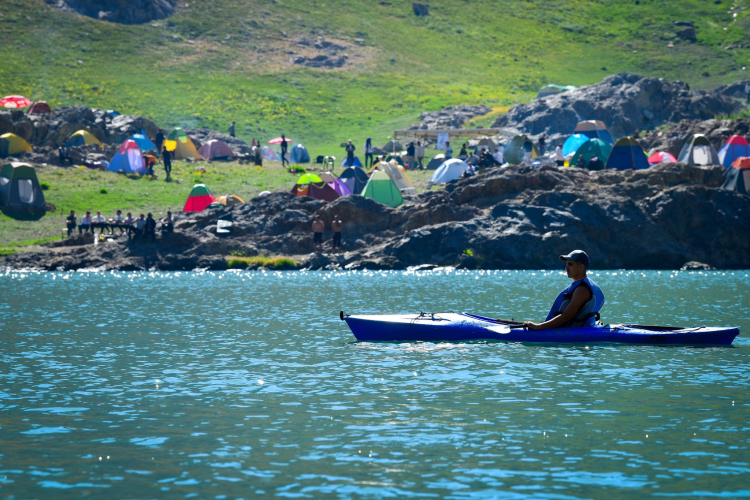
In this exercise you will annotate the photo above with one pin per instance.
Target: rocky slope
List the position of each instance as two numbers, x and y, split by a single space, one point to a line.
624 102
517 217
675 135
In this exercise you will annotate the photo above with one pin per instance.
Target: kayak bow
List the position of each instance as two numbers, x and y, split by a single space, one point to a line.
453 327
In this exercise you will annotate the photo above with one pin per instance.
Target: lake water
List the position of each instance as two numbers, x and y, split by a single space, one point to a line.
247 385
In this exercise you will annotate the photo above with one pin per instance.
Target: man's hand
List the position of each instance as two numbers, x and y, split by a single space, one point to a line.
531 325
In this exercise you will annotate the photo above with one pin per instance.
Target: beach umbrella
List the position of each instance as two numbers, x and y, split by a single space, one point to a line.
15 102
660 157
279 140
309 179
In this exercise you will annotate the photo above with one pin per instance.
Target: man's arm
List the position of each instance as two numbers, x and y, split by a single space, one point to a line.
581 295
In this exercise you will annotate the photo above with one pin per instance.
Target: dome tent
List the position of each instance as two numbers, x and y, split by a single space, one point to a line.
39 108
337 184
737 176
144 143
436 161
627 154
183 148
312 185
698 151
571 145
199 198
734 148
449 171
216 150
355 179
230 200
381 188
590 149
19 187
514 152
11 144
128 158
661 157
594 129
82 138
355 163
299 154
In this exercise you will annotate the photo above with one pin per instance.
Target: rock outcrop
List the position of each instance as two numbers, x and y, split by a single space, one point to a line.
200 136
449 117
676 134
118 11
513 217
624 102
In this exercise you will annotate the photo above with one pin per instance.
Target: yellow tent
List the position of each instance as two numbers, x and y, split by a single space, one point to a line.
230 200
180 143
393 163
399 178
82 138
11 144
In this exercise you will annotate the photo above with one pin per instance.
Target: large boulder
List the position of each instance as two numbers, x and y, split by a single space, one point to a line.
672 138
118 11
624 102
449 117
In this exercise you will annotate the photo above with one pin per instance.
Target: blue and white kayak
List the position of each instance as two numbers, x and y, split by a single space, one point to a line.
453 327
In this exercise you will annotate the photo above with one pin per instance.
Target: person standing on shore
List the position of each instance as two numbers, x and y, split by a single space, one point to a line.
336 227
231 129
284 149
318 227
369 151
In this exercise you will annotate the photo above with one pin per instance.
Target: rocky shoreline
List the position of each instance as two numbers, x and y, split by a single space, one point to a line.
506 218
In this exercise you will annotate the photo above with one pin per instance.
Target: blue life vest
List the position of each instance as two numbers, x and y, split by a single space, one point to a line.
588 314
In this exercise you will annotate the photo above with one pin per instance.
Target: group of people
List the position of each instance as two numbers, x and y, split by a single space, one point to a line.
142 226
318 227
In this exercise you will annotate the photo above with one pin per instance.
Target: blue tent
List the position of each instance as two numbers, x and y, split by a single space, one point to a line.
627 154
734 148
299 154
144 143
573 143
355 163
129 159
594 129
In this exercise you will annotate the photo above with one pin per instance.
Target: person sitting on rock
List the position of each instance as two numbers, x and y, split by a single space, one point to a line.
128 223
581 162
140 225
85 224
70 222
99 221
167 223
117 221
578 304
149 229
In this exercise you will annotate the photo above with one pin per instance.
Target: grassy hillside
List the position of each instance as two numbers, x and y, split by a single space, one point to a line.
218 60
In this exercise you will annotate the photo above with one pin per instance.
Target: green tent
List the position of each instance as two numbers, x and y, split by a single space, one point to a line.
381 188
514 153
19 187
592 148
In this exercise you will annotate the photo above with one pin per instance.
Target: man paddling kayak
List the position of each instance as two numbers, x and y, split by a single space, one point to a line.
579 303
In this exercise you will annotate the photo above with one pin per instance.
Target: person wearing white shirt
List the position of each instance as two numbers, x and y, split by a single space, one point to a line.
99 221
499 158
128 222
559 158
85 224
140 224
420 154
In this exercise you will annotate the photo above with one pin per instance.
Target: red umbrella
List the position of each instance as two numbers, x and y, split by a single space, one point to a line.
15 101
661 158
279 140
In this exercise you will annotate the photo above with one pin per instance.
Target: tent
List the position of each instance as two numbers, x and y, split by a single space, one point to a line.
15 102
397 157
230 200
734 148
571 145
449 171
392 146
399 177
381 188
592 148
355 163
11 144
627 154
129 159
19 187
216 150
436 162
594 129
269 154
299 154
199 198
337 184
144 143
355 179
699 151
660 157
82 138
548 90
180 143
313 185
39 108
514 152
737 176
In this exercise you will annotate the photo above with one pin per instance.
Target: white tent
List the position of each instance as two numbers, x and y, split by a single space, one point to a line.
399 178
449 171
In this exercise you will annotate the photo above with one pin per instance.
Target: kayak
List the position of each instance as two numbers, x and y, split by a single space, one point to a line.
460 327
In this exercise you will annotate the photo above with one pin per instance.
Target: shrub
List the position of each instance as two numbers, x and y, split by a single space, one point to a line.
102 190
198 180
296 169
45 186
276 263
469 252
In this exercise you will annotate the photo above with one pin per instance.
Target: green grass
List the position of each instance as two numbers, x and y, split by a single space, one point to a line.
79 189
277 263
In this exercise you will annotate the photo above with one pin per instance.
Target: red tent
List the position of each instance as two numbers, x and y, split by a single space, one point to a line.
15 102
200 197
39 108
661 158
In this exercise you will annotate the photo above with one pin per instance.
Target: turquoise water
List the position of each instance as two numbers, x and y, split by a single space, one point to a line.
247 385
